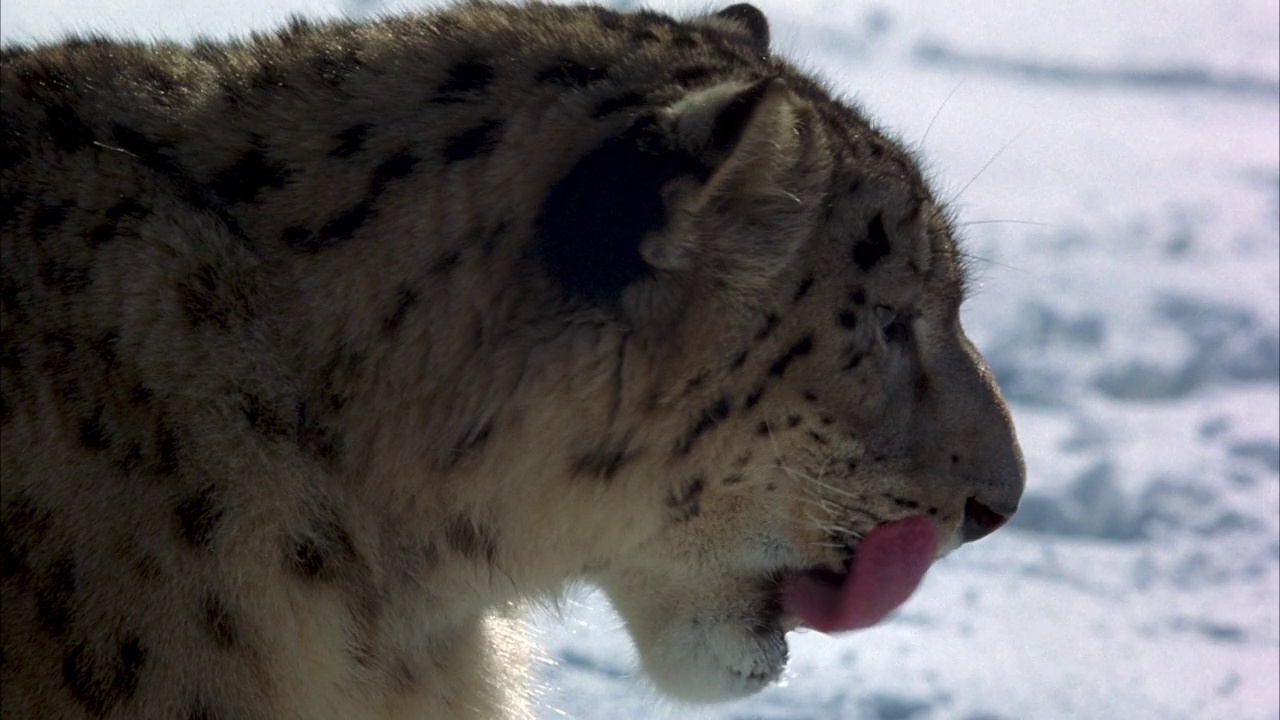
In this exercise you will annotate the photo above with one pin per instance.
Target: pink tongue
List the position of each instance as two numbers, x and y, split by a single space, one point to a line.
890 563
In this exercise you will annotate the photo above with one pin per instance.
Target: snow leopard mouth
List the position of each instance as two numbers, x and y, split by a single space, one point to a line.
883 570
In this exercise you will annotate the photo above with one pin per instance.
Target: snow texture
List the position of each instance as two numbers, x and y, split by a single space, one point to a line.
1115 168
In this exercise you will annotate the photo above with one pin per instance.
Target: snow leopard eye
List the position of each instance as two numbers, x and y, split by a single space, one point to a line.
893 326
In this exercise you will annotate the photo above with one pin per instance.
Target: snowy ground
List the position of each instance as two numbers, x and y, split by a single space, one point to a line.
1117 166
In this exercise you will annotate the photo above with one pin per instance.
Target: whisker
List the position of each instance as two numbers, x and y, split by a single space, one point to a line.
983 169
996 221
938 112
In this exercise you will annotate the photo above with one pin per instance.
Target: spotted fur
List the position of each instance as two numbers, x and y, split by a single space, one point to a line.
325 350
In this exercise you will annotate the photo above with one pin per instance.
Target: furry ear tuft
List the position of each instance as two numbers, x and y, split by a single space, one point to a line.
700 188
739 227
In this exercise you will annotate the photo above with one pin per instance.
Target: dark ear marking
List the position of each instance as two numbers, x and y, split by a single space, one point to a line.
753 21
590 225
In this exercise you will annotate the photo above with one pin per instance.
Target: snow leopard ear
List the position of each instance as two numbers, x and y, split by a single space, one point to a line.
739 225
745 18
625 210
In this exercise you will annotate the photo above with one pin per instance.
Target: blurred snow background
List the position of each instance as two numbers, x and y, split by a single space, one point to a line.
1116 167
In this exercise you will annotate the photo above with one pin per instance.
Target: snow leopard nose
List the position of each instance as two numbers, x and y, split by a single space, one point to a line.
980 520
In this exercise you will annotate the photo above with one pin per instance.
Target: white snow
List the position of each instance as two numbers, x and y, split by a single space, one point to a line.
1116 165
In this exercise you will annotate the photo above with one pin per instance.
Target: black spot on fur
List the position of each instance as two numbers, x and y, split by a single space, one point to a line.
589 228
324 551
93 432
446 262
100 683
399 165
315 432
901 501
710 417
153 153
734 479
406 298
56 596
763 428
770 324
265 418
603 463
801 348
625 101
470 540
156 154
49 217
803 289
167 446
753 397
793 421
128 209
198 516
342 227
300 239
847 320
200 301
686 502
874 247
11 207
858 297
251 173
351 140
66 279
684 41
695 382
474 439
345 225
465 81
572 73
23 526
473 143
739 359
318 415
691 75
219 622
66 128
852 361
